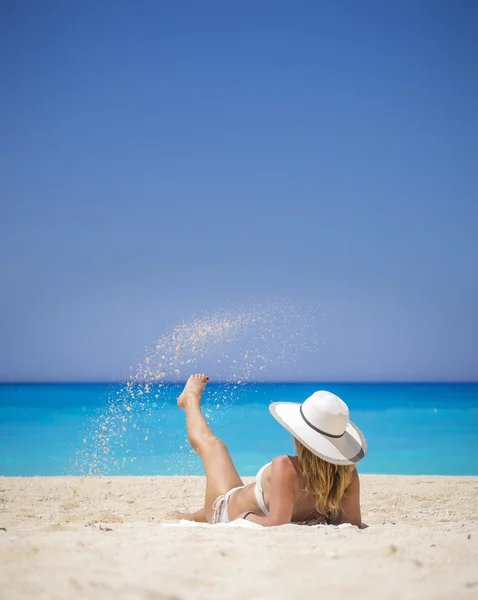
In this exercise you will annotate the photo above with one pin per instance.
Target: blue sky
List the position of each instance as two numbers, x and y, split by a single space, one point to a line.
159 159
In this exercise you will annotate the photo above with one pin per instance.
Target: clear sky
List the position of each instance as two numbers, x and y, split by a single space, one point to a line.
159 159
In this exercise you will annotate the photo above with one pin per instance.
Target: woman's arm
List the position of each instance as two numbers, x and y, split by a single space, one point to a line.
281 504
350 512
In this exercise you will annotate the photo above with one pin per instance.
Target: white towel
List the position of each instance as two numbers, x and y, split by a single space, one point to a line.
245 524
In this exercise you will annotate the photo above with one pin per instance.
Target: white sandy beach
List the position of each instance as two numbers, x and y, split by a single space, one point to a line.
100 537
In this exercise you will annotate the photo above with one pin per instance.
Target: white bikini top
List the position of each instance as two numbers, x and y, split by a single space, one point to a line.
259 492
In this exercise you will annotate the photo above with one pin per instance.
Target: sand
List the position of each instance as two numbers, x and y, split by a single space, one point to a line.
100 537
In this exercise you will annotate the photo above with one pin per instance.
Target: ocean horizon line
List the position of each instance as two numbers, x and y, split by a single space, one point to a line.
271 382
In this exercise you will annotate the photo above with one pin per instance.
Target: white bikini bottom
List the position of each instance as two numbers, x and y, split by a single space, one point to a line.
220 504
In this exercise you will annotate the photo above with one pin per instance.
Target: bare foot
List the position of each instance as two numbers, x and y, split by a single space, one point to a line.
193 390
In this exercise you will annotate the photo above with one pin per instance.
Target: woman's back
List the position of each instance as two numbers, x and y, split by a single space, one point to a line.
305 502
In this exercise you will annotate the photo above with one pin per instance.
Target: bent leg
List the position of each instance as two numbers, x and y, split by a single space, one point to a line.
199 516
221 474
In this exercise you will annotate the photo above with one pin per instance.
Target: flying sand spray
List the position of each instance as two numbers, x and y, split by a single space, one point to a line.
235 347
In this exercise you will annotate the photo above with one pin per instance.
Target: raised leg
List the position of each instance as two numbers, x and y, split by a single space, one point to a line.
221 474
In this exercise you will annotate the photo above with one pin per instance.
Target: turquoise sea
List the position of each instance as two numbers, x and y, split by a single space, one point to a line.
58 429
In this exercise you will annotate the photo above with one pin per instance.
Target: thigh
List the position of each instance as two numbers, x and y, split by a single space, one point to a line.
221 474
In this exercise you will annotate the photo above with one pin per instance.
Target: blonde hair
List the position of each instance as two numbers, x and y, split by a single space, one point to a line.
325 481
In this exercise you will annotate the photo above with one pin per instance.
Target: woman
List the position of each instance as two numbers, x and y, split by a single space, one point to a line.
320 484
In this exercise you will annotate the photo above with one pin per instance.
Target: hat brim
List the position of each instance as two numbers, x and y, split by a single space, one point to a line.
346 450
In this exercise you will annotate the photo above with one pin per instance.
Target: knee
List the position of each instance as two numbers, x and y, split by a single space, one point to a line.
204 441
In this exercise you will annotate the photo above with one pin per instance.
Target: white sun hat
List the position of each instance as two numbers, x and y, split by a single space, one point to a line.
322 425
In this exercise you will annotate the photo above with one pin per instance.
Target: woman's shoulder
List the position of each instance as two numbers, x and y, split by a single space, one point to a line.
285 460
285 465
